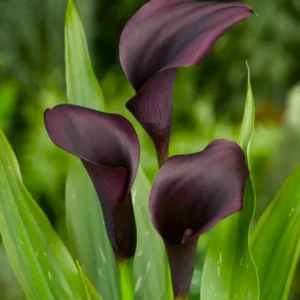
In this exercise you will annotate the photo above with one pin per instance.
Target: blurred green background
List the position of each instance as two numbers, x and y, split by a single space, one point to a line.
208 99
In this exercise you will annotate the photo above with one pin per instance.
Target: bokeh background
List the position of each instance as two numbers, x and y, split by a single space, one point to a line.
208 99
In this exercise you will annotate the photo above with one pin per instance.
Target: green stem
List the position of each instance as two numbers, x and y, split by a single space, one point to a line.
126 279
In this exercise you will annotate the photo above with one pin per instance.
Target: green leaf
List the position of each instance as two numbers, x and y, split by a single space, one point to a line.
276 240
229 271
86 228
38 257
248 120
88 238
82 85
90 291
149 260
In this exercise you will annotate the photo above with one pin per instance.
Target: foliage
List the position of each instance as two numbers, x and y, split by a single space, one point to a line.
34 82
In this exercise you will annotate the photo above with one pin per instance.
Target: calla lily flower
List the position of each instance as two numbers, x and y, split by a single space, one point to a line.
190 195
162 36
108 146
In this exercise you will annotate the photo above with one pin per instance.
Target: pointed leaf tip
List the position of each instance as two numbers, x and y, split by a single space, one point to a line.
229 253
249 117
83 211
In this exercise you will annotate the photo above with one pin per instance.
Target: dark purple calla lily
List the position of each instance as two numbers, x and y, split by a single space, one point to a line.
162 36
109 149
192 193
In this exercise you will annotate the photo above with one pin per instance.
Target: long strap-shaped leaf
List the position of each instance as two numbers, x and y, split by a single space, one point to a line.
276 240
229 271
88 238
85 221
39 259
149 264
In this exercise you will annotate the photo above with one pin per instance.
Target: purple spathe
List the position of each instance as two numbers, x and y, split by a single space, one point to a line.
109 148
190 195
162 36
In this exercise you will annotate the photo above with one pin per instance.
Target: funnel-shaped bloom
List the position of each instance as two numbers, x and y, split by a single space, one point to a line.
191 193
162 36
109 149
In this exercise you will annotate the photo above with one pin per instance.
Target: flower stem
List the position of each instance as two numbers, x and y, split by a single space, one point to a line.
126 279
168 281
181 298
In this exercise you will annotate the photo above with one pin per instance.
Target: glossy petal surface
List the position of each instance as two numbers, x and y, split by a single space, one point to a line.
162 36
192 193
109 149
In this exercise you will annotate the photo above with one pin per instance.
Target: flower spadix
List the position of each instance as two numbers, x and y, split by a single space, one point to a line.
109 149
190 195
162 36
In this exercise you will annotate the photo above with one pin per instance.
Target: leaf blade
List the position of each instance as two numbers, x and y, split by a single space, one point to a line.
149 261
39 259
248 119
87 234
276 238
82 85
229 248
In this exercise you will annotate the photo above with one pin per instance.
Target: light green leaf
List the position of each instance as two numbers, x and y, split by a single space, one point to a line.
82 85
89 242
90 291
149 263
88 238
248 120
229 271
276 240
38 257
